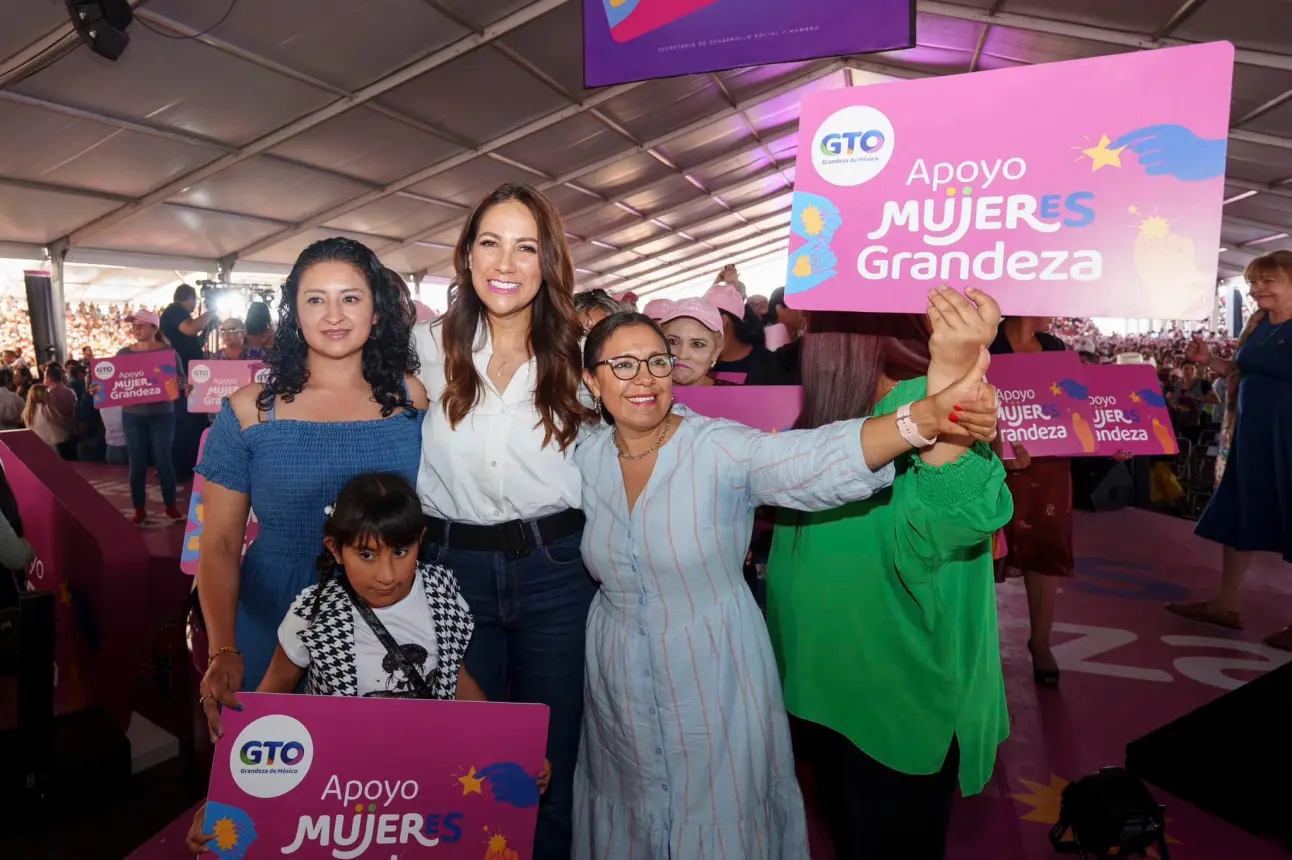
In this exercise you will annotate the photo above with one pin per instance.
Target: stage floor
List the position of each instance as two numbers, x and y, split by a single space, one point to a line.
1128 668
164 539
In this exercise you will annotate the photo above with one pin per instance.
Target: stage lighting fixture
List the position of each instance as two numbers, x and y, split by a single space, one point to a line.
102 24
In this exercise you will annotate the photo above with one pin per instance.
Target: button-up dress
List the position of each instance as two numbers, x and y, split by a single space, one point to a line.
685 750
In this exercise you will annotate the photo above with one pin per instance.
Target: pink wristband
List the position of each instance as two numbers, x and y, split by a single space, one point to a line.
909 429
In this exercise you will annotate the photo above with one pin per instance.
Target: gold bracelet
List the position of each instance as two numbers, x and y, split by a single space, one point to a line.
223 649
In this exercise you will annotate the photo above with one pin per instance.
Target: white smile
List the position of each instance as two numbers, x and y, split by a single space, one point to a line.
643 399
503 286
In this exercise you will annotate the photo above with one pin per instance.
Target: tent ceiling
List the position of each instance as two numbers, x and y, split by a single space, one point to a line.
383 120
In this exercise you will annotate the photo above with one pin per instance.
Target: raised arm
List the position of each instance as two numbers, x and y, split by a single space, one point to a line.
951 509
814 470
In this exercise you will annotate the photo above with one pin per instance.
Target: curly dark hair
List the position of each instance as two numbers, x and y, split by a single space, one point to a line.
388 356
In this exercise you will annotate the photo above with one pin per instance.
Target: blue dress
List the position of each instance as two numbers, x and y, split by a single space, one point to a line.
685 751
1252 508
292 470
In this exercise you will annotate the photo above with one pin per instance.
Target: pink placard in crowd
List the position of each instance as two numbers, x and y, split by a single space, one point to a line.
1105 201
1130 413
730 376
1044 404
213 381
189 553
135 378
763 407
324 776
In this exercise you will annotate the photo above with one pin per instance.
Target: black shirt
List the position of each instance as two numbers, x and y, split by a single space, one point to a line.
1049 343
187 346
761 367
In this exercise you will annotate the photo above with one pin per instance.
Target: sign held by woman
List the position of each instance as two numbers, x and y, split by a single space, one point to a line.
1105 202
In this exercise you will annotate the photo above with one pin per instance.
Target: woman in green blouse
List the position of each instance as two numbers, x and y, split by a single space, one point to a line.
882 613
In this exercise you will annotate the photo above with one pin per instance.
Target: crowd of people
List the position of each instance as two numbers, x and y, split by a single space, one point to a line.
507 504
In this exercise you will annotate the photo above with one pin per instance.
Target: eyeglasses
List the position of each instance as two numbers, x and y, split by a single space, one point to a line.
230 331
626 367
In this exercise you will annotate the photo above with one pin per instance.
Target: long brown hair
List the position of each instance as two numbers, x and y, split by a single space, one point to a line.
554 329
844 356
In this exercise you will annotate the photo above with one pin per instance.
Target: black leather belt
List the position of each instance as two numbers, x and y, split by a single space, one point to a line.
515 539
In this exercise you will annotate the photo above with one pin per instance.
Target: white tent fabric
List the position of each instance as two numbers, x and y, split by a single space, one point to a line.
383 120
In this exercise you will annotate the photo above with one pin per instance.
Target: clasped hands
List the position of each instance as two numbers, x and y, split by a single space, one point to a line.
963 327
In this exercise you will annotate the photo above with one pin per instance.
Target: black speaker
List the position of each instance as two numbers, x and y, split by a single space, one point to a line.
1231 757
102 24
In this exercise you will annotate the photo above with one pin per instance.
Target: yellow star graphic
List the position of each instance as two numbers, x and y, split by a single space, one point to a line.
471 783
1102 156
1055 389
1134 210
1046 800
1135 398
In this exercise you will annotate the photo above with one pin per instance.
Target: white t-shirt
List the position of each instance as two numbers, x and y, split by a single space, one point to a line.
409 623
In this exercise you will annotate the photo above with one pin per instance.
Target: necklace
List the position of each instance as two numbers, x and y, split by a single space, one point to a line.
501 367
1273 331
668 422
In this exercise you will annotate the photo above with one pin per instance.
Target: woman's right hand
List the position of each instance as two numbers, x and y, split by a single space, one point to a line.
196 839
967 407
219 687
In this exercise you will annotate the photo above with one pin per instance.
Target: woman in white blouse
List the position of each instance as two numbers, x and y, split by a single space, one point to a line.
499 490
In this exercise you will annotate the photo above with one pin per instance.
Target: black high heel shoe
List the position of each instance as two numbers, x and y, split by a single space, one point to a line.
1048 678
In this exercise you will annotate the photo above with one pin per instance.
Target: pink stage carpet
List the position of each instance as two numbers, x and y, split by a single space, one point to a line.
1128 668
113 483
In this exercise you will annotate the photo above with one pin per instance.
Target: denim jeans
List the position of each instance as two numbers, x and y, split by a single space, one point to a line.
150 436
530 615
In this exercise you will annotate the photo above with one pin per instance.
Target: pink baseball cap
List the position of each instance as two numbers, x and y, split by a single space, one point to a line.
146 317
700 310
656 308
424 313
727 298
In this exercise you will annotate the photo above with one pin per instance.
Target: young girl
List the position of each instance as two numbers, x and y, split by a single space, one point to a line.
378 623
38 417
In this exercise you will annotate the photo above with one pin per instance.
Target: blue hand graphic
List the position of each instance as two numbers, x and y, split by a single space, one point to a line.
814 217
810 266
1074 389
1173 150
232 827
618 12
511 784
1151 397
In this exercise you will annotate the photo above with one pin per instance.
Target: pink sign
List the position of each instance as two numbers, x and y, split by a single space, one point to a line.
188 556
324 776
1044 404
1105 201
1130 412
96 565
763 407
212 381
135 378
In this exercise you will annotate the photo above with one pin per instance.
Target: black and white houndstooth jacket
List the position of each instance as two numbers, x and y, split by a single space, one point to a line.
330 637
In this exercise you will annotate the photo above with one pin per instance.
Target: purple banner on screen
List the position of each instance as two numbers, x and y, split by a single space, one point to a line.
638 40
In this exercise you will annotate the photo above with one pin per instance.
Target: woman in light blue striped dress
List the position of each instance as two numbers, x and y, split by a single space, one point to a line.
685 750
